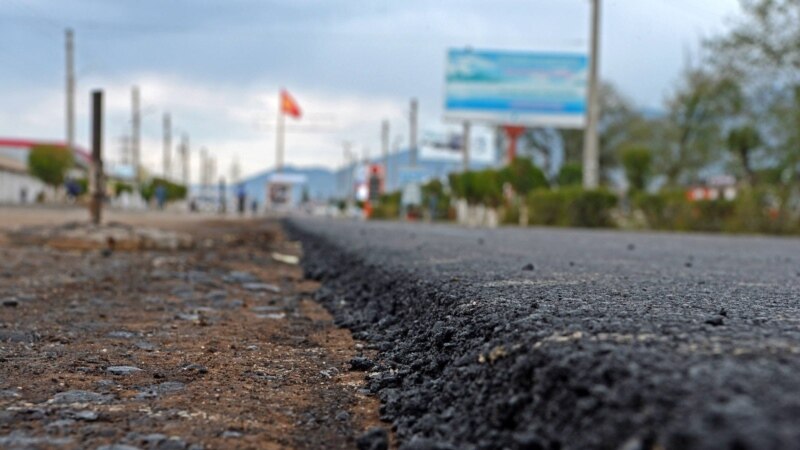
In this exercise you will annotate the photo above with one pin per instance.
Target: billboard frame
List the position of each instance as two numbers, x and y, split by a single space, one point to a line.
520 118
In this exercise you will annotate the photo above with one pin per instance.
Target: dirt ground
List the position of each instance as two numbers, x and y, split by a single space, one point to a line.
216 347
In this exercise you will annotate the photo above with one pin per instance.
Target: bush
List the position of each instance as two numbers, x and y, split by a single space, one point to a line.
174 191
570 174
637 162
753 211
573 207
434 191
547 208
387 207
523 176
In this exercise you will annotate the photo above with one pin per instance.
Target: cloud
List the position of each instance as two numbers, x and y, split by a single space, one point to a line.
231 121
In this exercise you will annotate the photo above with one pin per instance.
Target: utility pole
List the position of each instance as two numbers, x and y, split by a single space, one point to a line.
184 151
167 147
395 150
136 136
412 131
70 105
235 170
204 171
97 182
385 145
349 164
465 145
591 154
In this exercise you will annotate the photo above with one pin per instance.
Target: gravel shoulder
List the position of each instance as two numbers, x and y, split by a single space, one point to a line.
220 346
569 339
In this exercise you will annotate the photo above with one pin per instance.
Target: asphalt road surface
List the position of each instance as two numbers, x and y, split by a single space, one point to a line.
569 339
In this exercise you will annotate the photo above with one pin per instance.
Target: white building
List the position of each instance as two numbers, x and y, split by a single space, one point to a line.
17 186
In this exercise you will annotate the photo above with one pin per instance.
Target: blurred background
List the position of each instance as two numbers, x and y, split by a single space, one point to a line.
660 114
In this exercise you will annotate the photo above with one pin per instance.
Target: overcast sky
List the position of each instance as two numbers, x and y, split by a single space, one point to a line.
217 65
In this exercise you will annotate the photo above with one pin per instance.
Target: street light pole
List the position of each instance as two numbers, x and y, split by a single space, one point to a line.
591 156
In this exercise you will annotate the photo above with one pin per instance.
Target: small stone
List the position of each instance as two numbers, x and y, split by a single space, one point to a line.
631 247
117 447
262 287
342 416
195 368
723 312
173 443
121 334
373 439
237 276
231 434
86 416
144 345
60 424
688 264
217 296
273 316
189 317
78 396
715 321
11 302
123 370
361 364
528 267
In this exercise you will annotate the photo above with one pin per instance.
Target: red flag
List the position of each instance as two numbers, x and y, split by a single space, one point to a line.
289 105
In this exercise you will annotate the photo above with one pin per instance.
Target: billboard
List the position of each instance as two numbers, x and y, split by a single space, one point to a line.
517 88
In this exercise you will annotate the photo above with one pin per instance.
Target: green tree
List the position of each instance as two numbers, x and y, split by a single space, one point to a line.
620 124
523 176
50 164
762 51
637 163
742 141
690 135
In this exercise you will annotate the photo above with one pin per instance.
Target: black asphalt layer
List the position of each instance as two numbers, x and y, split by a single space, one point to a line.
569 339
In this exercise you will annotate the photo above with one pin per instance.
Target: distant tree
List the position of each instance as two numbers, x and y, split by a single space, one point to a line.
637 162
620 124
50 164
571 174
762 52
173 191
690 135
742 141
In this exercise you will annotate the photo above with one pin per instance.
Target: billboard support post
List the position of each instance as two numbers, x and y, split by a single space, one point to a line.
591 157
512 134
465 145
412 131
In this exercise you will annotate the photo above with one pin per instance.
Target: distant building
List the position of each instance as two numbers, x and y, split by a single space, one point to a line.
17 185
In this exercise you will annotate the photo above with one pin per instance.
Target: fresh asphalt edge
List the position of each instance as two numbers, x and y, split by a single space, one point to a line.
453 373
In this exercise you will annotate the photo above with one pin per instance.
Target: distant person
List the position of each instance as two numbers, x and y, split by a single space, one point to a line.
241 200
73 189
23 195
193 205
161 196
254 207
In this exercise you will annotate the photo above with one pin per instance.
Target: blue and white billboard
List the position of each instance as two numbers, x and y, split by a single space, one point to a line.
517 88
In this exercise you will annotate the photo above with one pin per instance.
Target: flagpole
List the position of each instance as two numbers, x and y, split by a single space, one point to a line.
279 137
